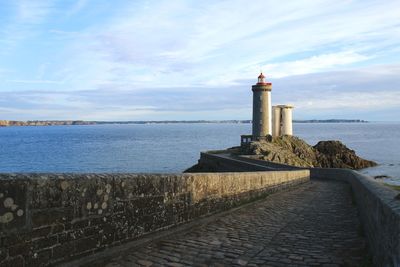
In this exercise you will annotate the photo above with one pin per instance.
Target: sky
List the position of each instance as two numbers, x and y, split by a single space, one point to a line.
189 60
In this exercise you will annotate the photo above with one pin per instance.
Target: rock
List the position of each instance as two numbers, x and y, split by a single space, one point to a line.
294 151
380 176
286 149
336 155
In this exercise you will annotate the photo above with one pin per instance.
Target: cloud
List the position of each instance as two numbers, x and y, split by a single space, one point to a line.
78 6
352 101
21 17
182 58
32 11
313 64
216 43
350 93
35 81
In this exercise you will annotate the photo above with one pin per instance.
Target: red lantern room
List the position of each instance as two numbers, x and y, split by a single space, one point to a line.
261 80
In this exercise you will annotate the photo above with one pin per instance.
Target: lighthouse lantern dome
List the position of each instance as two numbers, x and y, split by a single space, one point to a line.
261 78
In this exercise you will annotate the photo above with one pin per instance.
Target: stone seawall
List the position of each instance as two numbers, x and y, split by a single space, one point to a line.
221 162
379 209
52 218
378 205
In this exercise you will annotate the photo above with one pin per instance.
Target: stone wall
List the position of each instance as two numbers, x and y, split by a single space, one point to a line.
240 163
225 163
378 205
379 208
272 165
51 218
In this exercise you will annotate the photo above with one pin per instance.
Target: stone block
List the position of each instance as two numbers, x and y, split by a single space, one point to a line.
13 200
63 251
46 192
44 242
3 253
57 228
39 258
55 216
19 249
13 262
85 244
95 196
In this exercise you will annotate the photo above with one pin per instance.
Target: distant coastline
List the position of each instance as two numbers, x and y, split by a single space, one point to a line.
5 123
330 121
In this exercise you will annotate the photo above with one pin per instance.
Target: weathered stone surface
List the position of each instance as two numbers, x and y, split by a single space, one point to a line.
63 250
13 204
313 225
13 262
379 211
337 155
293 151
58 217
47 217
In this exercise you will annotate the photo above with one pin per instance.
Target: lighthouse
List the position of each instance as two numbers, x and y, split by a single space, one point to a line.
268 122
262 118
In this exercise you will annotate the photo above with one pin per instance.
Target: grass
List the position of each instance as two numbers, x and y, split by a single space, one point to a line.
395 187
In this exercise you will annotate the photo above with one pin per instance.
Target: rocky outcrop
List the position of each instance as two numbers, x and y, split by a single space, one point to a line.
334 154
4 123
295 151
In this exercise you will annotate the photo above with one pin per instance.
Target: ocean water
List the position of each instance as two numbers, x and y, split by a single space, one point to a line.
172 147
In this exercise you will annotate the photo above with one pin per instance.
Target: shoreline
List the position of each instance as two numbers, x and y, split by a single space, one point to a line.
10 123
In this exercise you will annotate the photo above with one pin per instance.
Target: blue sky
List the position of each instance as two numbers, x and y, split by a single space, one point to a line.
175 59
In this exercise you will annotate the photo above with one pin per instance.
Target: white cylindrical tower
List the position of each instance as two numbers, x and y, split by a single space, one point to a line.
262 118
287 128
276 121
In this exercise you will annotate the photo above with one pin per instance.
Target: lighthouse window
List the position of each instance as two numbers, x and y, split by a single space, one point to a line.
261 110
260 97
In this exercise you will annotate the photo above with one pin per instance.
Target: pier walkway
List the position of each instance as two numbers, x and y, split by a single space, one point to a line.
315 224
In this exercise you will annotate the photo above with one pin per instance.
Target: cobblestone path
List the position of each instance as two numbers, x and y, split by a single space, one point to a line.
313 225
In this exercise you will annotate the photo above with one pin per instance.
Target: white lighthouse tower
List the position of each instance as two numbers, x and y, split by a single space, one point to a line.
262 117
267 122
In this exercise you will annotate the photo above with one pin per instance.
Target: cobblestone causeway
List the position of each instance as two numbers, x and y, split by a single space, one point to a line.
313 225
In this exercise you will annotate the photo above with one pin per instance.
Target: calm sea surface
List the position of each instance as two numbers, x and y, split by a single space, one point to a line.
171 147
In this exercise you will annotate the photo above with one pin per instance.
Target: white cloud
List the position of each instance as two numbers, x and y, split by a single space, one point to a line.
173 43
35 81
78 6
313 64
187 58
352 101
337 94
22 22
32 11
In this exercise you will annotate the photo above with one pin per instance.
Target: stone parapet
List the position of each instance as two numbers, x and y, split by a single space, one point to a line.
379 209
46 219
378 205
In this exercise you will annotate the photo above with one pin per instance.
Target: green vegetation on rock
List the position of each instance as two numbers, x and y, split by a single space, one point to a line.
294 151
395 187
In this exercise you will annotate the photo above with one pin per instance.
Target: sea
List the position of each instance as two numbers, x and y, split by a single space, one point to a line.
173 147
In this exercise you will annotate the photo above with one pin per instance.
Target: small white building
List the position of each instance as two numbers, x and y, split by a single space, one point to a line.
282 120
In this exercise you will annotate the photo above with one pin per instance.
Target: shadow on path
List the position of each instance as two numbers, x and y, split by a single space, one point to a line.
313 225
